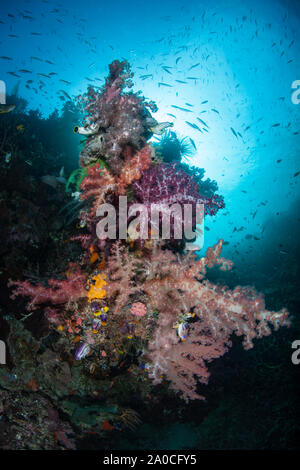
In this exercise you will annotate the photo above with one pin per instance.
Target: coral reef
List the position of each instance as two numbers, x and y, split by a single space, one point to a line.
140 309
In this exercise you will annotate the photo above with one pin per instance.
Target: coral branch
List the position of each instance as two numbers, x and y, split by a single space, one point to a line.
58 292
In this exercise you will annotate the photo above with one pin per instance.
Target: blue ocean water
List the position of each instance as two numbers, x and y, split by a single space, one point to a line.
233 63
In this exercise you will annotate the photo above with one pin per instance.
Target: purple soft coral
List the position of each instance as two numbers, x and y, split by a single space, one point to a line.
169 184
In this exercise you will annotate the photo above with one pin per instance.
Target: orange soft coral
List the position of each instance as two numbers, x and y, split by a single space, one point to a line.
133 167
99 181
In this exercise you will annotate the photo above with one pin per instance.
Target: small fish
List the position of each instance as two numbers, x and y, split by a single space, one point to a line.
276 125
215 110
204 102
54 181
194 66
144 77
24 71
20 127
190 124
6 108
181 109
198 128
234 133
160 128
36 58
193 143
4 57
166 70
203 122
297 174
194 126
164 84
65 81
180 81
66 94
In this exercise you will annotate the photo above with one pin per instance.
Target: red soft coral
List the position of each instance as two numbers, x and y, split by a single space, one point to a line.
58 291
100 182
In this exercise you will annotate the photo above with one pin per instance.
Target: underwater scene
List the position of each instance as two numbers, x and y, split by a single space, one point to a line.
149 226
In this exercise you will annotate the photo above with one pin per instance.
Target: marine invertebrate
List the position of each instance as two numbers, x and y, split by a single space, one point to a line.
138 309
171 148
121 118
58 291
96 288
219 312
170 183
166 184
100 182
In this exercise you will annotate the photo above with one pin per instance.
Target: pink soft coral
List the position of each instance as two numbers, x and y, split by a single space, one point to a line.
58 291
123 117
181 288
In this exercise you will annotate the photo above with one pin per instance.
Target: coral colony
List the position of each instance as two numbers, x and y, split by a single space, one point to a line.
149 296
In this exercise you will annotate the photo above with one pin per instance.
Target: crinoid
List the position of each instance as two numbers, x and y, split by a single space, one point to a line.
172 148
129 419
